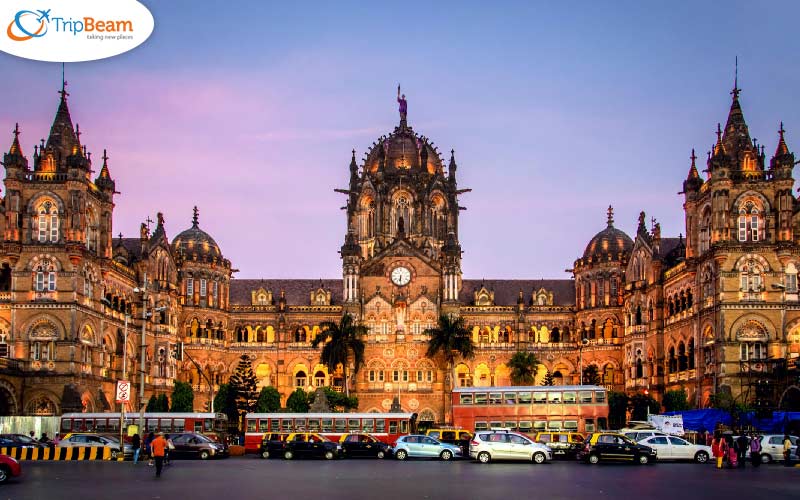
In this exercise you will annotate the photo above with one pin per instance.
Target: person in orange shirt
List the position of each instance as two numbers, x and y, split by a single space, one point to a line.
158 445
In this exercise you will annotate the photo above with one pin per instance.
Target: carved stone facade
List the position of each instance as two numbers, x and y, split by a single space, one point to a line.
651 313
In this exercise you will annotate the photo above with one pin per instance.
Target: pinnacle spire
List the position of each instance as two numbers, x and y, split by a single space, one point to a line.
693 173
782 149
16 149
736 136
610 213
195 217
63 141
104 173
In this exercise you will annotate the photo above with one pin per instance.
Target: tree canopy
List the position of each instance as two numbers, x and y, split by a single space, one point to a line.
523 365
182 398
341 342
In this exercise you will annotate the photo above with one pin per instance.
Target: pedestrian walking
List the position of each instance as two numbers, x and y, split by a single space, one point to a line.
159 446
136 442
755 450
717 450
787 451
148 441
733 455
742 446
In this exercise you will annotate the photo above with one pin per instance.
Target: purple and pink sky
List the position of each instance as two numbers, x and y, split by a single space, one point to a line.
555 112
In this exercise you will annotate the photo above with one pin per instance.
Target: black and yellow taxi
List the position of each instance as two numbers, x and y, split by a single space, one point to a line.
610 446
273 444
456 436
563 444
363 445
310 445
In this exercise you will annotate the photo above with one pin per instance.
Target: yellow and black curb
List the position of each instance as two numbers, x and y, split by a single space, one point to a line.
61 453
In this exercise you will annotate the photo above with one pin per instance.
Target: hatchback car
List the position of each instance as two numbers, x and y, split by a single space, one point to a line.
563 444
504 445
9 467
92 439
675 448
273 444
416 445
363 445
310 445
195 445
603 446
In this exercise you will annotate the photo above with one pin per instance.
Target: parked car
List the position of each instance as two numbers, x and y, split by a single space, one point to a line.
93 439
273 444
310 445
363 445
19 441
195 445
563 444
417 445
9 468
459 437
676 448
640 435
772 447
602 446
505 445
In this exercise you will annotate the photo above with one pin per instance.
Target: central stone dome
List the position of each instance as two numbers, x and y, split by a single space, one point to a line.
403 150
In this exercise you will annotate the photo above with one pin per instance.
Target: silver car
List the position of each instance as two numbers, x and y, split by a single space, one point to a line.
99 440
506 445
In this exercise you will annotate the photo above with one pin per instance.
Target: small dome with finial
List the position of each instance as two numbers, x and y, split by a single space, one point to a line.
609 244
195 241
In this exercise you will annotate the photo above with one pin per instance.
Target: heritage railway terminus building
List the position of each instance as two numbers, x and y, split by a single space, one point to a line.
701 312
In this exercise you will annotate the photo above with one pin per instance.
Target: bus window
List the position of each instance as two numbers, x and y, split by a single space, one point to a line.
152 425
465 399
554 397
179 425
380 425
480 398
327 424
525 425
585 396
300 424
481 426
539 398
100 425
570 398
66 425
209 425
286 425
393 427
403 427
495 425
340 425
113 425
571 425
600 396
274 425
524 398
368 425
589 423
251 425
354 424
89 424
510 398
263 425
511 425
539 425
554 425
313 425
495 398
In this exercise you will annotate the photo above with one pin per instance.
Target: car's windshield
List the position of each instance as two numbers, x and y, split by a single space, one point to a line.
25 439
201 438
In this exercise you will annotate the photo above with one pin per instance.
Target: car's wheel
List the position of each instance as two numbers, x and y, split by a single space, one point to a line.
401 454
381 454
539 457
643 459
594 459
288 455
766 458
701 457
265 454
446 455
204 455
329 455
484 457
5 474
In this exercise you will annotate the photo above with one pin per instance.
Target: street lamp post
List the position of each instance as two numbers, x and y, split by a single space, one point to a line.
106 303
143 347
584 343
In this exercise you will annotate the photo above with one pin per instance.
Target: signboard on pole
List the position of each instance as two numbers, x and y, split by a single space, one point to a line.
123 391
668 424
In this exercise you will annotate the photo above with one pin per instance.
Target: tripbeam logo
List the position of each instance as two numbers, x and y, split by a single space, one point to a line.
78 30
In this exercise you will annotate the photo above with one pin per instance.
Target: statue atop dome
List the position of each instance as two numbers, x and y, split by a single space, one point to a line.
401 99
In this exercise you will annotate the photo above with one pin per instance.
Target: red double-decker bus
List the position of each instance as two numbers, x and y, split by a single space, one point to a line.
532 409
212 424
385 426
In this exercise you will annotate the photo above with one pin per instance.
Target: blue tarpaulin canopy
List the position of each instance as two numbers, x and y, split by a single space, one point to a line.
707 420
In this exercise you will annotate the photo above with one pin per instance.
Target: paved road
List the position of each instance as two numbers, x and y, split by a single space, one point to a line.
246 478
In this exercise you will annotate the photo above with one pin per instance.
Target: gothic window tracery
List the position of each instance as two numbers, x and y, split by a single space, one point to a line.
47 222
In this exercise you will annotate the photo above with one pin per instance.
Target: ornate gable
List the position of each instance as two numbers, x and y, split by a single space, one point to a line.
261 297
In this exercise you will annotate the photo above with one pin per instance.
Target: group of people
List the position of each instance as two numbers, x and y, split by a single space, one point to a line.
157 447
45 439
732 451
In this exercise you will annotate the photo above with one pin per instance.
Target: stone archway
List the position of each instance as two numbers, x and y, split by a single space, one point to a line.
790 399
8 400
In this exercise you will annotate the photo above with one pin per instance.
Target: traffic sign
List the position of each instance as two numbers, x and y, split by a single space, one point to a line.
123 391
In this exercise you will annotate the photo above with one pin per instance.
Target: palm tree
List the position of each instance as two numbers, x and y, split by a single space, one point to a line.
591 375
524 367
450 339
342 341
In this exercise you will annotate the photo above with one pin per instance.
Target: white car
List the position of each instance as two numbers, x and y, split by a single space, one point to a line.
772 448
675 448
486 446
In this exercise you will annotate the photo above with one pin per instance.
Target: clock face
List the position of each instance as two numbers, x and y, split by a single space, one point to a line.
401 276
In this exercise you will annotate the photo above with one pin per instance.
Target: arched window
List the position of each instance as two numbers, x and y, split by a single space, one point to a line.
47 222
558 378
705 230
319 378
750 277
92 231
749 223
608 374
682 362
791 278
300 335
672 362
638 314
753 351
555 335
639 368
690 354
300 379
601 292
402 218
45 276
